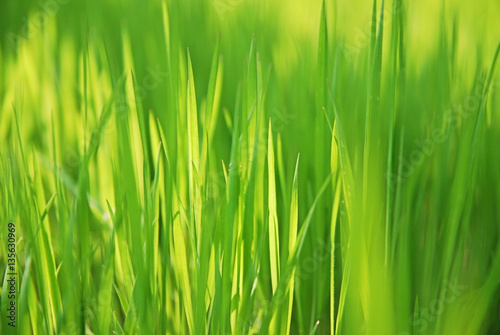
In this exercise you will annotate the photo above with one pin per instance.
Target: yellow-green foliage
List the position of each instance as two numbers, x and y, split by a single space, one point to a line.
250 166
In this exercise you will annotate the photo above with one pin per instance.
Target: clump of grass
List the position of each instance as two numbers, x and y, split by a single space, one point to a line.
164 178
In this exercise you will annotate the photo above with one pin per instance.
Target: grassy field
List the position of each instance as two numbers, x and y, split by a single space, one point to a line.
249 167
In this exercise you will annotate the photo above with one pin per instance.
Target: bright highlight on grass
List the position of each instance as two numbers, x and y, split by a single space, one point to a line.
249 167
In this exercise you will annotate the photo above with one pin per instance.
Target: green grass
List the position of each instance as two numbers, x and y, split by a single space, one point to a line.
243 167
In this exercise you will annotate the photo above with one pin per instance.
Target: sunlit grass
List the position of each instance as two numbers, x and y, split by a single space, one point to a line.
217 167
